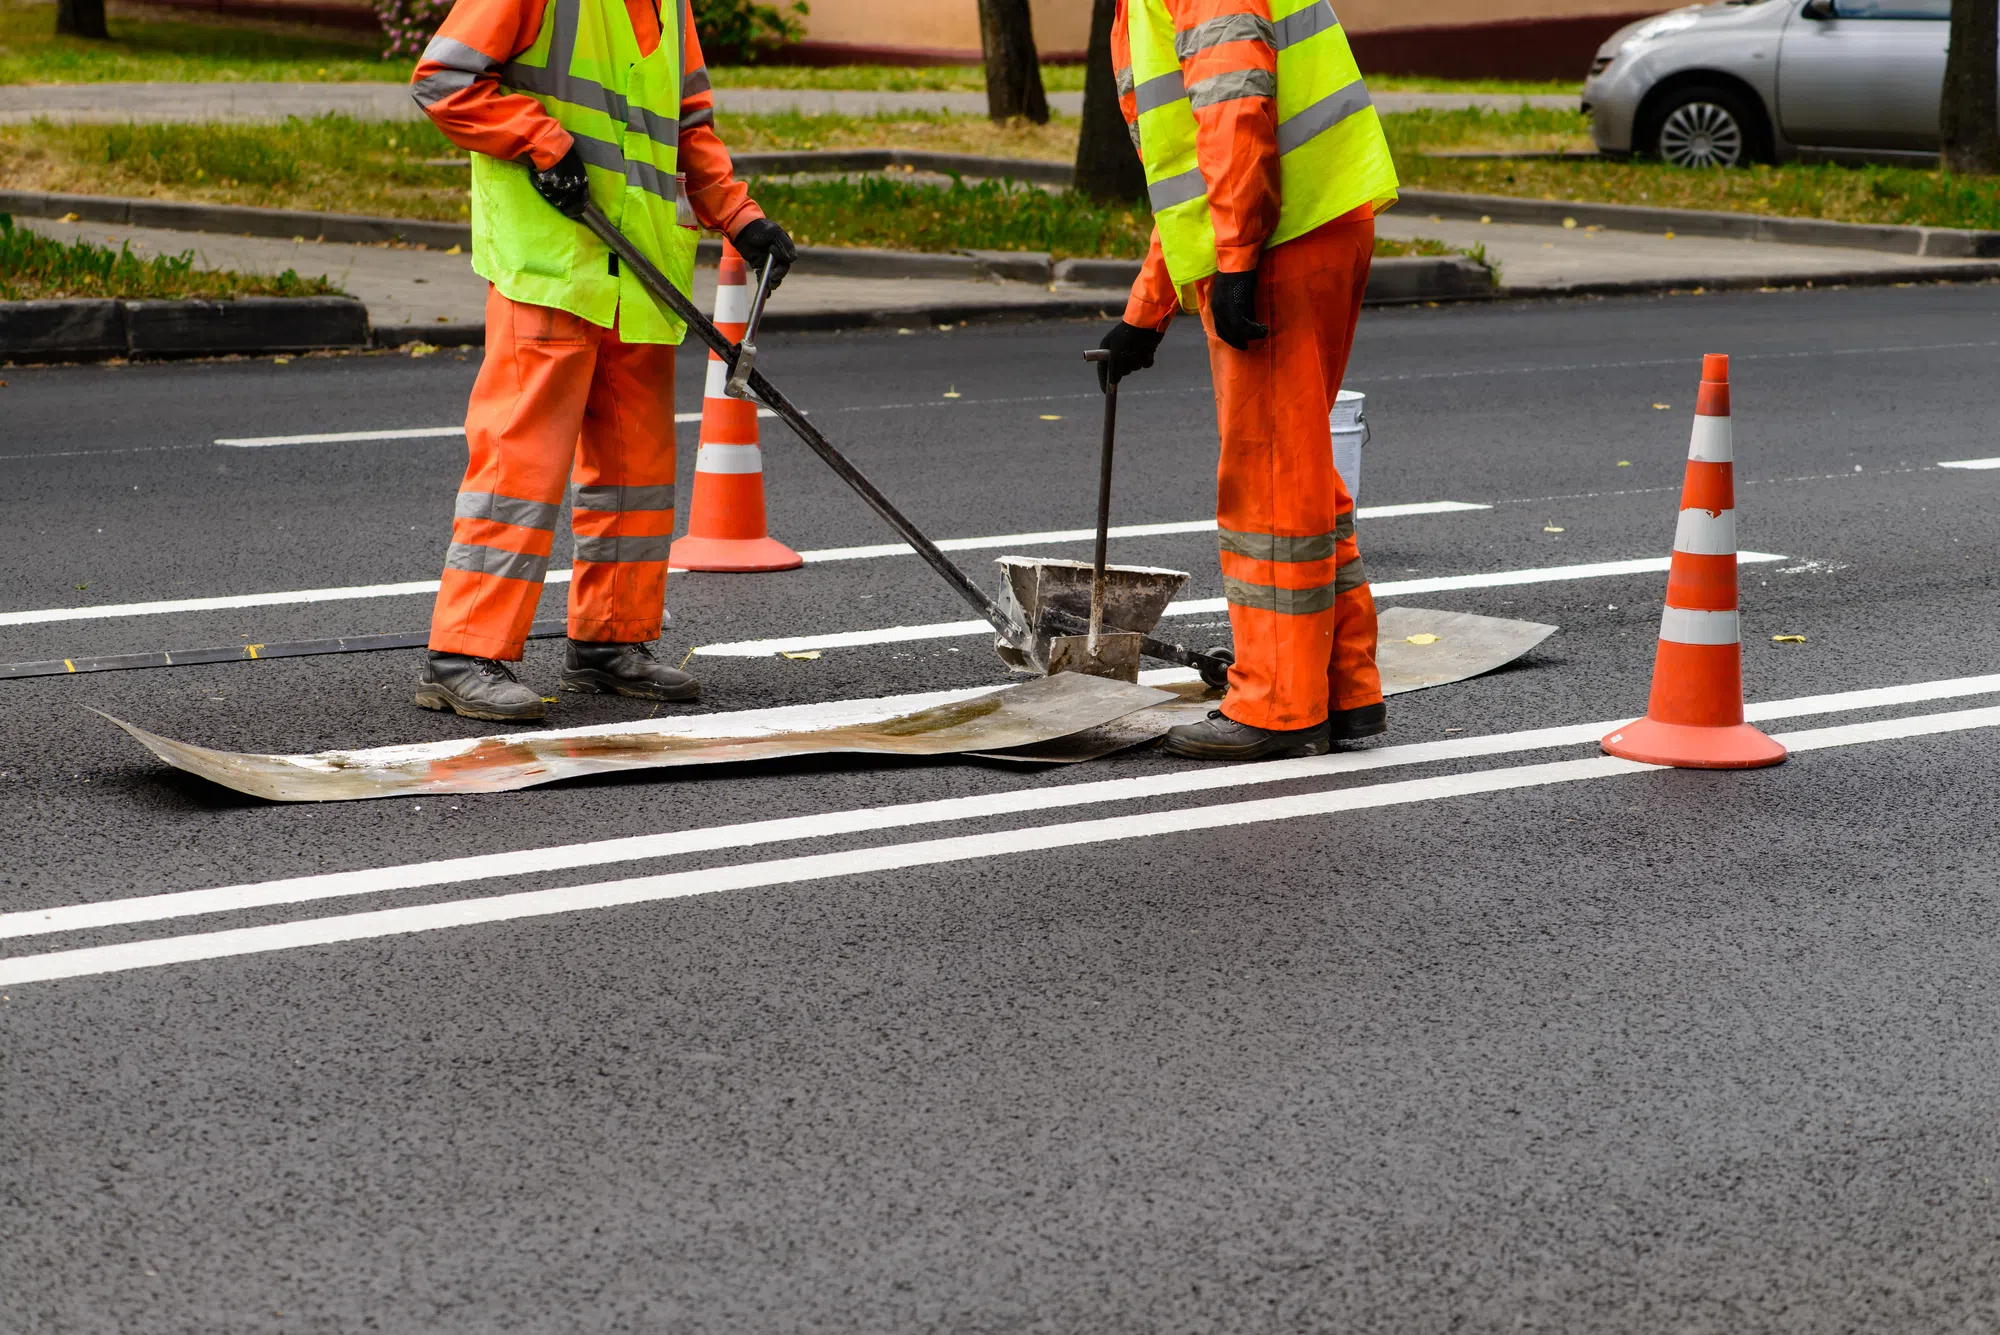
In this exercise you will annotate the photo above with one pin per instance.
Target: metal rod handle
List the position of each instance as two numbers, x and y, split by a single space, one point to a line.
671 297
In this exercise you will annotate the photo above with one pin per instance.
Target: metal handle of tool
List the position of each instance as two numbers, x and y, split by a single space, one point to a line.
669 296
738 386
1103 503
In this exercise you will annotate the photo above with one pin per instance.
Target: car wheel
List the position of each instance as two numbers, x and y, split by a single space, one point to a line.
1705 127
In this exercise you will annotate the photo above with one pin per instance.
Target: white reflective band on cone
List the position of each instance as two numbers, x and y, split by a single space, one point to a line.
732 304
1679 625
1713 442
717 384
729 459
1700 533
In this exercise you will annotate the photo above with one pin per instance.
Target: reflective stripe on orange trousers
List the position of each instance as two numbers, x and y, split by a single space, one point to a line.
1299 604
556 391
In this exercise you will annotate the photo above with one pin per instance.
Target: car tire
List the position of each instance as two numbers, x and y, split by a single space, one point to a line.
1705 125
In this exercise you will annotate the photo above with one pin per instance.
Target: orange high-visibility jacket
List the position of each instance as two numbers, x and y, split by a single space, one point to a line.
1236 147
482 119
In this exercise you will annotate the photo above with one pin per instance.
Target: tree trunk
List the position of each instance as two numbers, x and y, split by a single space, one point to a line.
1013 69
1970 114
81 18
1107 165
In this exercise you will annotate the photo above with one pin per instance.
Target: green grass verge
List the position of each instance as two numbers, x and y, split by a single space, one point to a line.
33 265
146 45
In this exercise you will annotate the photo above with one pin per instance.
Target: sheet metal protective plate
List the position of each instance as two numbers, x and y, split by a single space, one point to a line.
1466 646
1036 711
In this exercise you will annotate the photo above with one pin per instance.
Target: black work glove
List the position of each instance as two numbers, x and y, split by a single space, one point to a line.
1232 304
1131 347
564 185
764 240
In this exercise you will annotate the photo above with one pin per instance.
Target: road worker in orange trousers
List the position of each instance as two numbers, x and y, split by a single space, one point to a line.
1265 164
563 103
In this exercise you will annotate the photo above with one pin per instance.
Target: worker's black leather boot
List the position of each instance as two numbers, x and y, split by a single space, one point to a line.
1351 725
476 688
1219 737
625 669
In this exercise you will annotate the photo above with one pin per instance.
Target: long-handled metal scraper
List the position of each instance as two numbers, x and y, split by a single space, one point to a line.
746 348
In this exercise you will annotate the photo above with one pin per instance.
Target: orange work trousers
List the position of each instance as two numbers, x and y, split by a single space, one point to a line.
557 392
1299 604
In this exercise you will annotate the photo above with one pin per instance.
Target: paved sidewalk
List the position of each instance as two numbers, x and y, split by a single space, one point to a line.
391 101
1550 260
433 288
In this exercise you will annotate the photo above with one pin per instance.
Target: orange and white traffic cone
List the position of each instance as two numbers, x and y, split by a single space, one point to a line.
1695 717
726 524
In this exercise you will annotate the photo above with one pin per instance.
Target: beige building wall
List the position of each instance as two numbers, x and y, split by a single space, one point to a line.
1064 25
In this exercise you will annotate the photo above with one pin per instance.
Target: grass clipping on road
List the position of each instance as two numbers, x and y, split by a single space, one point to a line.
34 266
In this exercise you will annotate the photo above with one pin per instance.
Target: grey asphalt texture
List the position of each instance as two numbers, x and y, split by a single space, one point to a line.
1675 1051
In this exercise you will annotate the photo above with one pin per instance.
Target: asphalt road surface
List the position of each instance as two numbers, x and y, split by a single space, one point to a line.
1499 1039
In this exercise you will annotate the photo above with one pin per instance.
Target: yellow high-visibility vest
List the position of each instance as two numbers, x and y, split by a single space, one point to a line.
1332 154
623 109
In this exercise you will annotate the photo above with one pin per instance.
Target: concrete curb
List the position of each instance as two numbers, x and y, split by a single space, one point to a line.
1973 271
1941 242
88 330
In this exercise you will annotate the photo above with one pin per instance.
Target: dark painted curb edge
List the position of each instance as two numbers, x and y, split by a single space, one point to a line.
1938 242
1971 272
70 331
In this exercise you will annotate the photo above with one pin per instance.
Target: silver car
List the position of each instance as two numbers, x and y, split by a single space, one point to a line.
1763 80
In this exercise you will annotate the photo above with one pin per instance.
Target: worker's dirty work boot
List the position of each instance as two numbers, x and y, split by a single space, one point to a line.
476 688
1219 737
1351 725
625 669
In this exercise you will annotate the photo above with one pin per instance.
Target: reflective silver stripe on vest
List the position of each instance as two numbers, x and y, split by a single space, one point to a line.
1125 84
475 559
644 175
1223 30
1273 547
623 500
565 88
697 82
1182 189
1233 87
1163 91
1308 22
1322 116
660 129
619 547
434 88
1269 598
506 510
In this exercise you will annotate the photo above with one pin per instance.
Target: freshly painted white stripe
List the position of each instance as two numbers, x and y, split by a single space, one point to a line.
1700 533
339 437
1682 625
712 458
945 630
285 599
1713 441
1976 464
1010 540
454 871
824 866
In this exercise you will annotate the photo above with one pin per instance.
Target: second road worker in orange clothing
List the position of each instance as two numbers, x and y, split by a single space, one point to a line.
1265 164
563 103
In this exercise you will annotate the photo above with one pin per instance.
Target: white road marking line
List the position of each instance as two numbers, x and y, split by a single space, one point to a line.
751 834
395 433
411 588
1978 464
341 437
945 630
1006 540
824 866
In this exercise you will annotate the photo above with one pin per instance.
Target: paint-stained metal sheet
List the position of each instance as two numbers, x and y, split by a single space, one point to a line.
1417 649
1036 711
